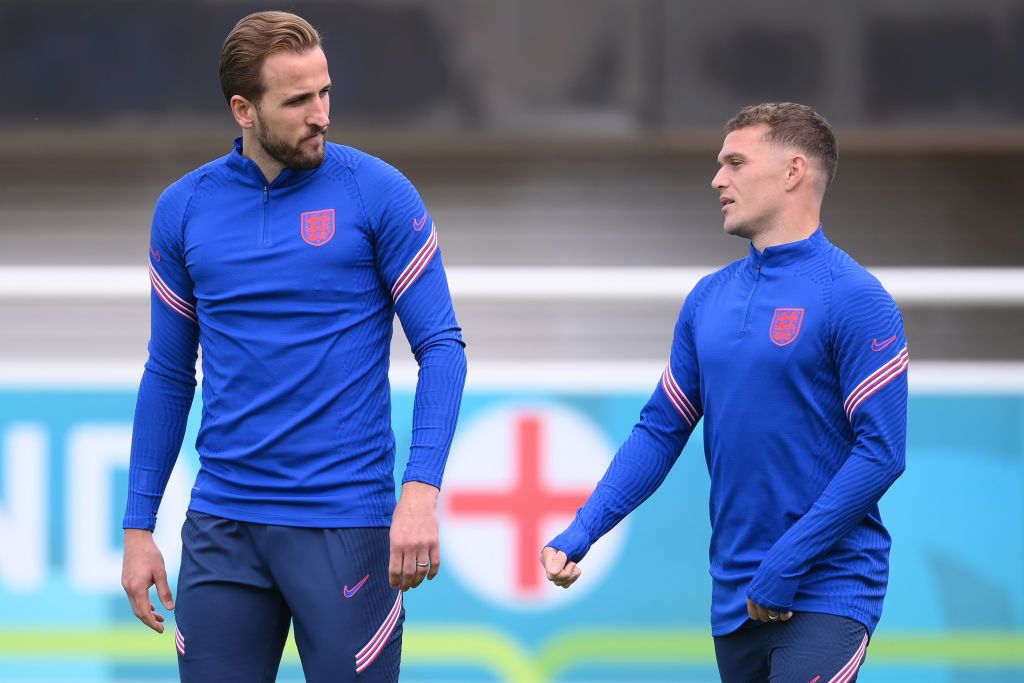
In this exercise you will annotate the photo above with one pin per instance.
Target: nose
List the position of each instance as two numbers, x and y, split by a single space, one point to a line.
320 114
718 182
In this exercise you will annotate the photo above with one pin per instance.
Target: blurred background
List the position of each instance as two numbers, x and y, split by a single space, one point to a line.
565 149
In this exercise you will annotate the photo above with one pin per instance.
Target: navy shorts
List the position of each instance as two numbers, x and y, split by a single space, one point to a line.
809 648
241 585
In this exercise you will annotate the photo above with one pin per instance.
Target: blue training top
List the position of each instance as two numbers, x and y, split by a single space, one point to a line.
796 358
291 288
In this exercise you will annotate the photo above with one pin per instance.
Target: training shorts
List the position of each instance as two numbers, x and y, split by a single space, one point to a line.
242 584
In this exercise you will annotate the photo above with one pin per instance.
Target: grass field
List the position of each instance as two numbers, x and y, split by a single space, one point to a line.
503 659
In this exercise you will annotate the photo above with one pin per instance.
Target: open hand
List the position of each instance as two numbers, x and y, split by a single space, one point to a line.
143 568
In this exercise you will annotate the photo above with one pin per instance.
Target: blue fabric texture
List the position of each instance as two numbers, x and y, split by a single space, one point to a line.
242 585
797 361
291 289
810 647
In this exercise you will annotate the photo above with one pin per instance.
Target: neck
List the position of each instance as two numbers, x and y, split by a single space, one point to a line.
793 227
252 149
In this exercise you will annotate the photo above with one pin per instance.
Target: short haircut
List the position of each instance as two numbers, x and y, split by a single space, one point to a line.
251 41
795 125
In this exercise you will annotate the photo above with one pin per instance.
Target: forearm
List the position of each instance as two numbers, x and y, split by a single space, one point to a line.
636 472
442 376
161 415
872 467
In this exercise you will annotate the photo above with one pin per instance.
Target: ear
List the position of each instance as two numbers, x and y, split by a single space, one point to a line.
243 110
796 171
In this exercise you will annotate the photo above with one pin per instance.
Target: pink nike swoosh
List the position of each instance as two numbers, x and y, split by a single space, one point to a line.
878 346
349 592
418 223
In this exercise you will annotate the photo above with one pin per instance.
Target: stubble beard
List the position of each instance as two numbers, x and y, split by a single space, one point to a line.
291 156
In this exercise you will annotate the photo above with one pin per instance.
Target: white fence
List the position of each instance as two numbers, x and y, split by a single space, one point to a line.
979 287
931 287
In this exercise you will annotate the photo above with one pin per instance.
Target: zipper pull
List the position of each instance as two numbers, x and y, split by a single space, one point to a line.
266 194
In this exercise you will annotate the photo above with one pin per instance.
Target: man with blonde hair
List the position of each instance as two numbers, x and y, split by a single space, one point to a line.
287 260
796 359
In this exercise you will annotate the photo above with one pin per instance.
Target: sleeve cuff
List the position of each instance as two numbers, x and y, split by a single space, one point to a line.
146 523
422 477
778 596
574 541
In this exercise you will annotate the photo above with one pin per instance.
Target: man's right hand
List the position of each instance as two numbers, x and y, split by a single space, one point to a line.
144 567
559 569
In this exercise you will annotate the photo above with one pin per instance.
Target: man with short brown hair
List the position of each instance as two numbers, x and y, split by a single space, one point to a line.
796 359
287 259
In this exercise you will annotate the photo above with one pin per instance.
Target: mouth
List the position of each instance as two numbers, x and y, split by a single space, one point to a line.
726 202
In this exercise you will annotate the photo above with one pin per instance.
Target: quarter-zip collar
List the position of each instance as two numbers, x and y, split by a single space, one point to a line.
250 171
786 254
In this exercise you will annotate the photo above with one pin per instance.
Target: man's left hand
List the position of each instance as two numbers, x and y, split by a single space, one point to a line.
759 613
415 545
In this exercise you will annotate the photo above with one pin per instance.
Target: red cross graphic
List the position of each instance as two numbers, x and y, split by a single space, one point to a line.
528 502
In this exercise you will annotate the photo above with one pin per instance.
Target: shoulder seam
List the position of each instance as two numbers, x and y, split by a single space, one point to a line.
359 194
828 313
349 168
188 205
704 284
820 254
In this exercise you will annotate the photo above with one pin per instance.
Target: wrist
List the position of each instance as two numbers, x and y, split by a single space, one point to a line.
138 532
775 595
420 493
137 535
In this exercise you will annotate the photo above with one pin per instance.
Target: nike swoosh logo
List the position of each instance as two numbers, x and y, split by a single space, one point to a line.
418 223
878 346
349 592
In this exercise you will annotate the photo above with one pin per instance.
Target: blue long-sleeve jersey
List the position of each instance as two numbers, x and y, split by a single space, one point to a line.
291 289
796 359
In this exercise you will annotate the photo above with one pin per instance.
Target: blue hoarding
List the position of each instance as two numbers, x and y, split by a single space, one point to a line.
522 461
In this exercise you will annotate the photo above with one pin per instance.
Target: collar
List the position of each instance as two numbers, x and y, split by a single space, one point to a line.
249 170
786 254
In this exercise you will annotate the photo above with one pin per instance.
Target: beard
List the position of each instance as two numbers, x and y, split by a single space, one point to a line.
291 156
